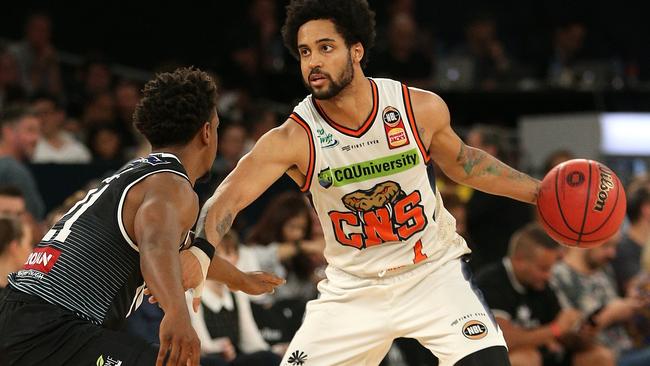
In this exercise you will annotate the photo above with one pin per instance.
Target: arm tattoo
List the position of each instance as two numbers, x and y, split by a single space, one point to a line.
469 158
224 225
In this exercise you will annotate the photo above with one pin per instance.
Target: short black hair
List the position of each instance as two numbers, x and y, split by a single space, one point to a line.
13 114
9 190
175 106
354 20
528 238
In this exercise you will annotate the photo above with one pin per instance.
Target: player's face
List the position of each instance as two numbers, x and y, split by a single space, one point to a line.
211 152
325 60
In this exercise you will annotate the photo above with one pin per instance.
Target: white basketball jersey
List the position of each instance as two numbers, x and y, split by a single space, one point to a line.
374 189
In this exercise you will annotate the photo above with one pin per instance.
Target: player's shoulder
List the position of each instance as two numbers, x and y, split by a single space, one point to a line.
169 185
426 100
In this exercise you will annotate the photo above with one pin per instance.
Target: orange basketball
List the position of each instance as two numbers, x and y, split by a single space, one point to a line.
581 203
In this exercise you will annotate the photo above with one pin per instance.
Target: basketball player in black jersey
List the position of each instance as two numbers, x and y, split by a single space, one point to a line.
88 273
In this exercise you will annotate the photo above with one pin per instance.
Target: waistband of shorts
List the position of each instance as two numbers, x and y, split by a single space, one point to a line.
13 295
397 274
389 277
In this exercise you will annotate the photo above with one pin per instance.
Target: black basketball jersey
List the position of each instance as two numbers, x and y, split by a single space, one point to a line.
87 263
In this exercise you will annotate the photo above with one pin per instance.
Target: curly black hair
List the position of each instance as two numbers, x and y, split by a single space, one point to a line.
174 106
354 20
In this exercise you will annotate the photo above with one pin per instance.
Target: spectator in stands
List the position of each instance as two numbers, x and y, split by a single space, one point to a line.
105 144
262 119
491 220
585 282
12 201
283 242
639 327
636 236
403 58
127 96
10 88
19 133
56 145
92 79
555 158
538 331
232 146
224 322
99 109
492 67
568 43
15 245
37 57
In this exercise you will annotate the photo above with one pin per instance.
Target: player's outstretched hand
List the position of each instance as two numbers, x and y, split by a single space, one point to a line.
257 283
178 340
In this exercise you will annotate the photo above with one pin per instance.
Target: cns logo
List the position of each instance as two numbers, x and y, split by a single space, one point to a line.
474 329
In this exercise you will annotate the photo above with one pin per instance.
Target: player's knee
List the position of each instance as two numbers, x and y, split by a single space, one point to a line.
526 357
494 356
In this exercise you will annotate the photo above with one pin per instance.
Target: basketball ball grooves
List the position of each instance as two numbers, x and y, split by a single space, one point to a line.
584 217
559 205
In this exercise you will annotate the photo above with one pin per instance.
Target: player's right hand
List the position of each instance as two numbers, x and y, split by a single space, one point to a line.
179 343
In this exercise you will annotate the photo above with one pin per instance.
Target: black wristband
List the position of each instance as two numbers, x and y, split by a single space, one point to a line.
204 246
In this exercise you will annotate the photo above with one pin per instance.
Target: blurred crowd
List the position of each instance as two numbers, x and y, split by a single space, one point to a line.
556 306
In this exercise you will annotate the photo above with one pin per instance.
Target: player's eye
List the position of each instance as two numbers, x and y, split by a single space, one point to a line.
327 48
303 52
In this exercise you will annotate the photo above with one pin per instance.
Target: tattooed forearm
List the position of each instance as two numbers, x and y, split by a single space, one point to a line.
476 163
224 225
469 158
484 172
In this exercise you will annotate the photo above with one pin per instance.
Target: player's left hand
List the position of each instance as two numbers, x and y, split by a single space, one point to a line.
257 283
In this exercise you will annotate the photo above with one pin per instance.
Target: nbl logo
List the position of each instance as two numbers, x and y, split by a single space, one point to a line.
474 330
391 117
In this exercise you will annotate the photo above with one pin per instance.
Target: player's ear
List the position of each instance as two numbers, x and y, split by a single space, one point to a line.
206 132
357 52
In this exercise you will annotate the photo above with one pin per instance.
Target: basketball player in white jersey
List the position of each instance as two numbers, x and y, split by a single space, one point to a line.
362 148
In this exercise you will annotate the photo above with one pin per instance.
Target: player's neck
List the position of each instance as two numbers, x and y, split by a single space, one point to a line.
190 161
352 105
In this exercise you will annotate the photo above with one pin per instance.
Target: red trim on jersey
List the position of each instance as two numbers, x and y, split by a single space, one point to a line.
411 117
312 151
365 126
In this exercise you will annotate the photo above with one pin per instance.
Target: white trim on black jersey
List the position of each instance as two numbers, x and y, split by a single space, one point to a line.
125 235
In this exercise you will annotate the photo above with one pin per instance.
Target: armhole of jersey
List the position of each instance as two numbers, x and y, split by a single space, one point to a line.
406 97
120 205
312 151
